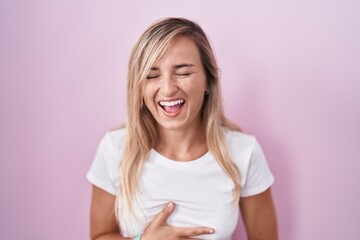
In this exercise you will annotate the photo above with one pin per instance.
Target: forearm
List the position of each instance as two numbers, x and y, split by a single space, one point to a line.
110 236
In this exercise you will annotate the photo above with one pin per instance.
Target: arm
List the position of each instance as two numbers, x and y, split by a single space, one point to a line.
259 216
159 229
103 225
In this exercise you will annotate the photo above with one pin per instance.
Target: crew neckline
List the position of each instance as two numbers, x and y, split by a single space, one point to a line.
156 157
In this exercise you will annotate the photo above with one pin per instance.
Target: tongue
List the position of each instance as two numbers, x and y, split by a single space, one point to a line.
172 109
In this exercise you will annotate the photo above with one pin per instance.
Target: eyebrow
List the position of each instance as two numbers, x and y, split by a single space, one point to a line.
183 65
177 66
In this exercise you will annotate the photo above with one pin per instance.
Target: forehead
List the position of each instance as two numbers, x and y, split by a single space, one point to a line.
181 50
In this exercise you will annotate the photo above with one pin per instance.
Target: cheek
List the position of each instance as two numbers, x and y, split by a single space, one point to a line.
196 94
199 99
197 88
149 93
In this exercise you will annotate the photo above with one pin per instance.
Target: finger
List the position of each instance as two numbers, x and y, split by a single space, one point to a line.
193 231
186 238
162 217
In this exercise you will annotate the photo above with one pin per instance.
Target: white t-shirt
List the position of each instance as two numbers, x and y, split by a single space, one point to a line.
203 193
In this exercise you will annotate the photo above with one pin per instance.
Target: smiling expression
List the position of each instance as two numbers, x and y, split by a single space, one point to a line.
175 86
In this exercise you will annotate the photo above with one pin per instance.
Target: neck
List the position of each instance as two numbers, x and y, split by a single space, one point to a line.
182 145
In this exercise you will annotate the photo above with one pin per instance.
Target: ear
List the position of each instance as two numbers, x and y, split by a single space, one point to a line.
207 88
207 85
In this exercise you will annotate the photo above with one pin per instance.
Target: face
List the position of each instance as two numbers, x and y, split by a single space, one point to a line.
175 86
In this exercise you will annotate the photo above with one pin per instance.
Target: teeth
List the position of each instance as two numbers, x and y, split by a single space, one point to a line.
171 103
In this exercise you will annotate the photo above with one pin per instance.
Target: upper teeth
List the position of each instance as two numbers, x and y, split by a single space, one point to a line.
171 103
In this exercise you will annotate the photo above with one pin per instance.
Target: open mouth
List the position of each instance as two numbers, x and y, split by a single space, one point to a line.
172 106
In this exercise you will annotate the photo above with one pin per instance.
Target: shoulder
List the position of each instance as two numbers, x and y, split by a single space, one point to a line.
239 141
111 144
104 171
247 154
241 147
115 139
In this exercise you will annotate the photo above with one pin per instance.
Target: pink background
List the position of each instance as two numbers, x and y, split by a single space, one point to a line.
291 76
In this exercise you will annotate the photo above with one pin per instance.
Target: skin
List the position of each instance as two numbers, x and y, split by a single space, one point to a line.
259 216
258 213
103 224
179 74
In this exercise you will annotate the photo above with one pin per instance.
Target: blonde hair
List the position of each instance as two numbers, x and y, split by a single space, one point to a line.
141 126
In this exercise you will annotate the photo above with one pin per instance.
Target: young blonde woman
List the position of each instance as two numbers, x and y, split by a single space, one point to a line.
179 169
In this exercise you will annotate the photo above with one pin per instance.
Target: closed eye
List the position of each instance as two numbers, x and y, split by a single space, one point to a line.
183 74
151 77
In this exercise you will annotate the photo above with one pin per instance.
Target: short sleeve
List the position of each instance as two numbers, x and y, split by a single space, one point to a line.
259 177
100 173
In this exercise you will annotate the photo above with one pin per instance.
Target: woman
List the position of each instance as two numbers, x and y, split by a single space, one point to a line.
180 169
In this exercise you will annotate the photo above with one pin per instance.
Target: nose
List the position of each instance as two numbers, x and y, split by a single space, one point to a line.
168 86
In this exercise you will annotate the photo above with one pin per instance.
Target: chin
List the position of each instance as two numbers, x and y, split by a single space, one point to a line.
171 125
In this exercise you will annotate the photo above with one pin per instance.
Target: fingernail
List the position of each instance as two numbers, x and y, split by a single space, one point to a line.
171 205
211 230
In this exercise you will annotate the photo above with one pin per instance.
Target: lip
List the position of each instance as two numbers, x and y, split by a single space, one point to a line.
173 114
170 100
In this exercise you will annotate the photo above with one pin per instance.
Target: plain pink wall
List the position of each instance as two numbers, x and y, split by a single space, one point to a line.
291 76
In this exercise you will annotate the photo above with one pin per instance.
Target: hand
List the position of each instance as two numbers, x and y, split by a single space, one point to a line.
159 229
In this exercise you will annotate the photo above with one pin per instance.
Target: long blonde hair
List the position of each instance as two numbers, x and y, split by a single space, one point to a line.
141 126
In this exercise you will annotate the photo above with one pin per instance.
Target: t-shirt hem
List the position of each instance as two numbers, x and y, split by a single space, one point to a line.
100 184
259 189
